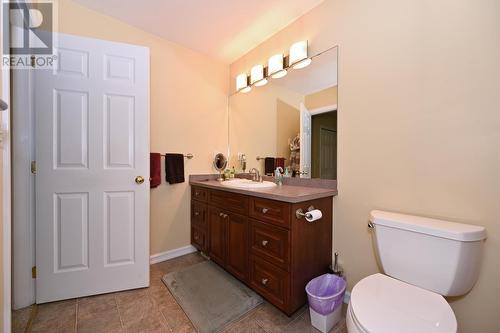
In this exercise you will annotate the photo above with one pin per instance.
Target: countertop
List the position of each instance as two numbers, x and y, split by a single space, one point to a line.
285 193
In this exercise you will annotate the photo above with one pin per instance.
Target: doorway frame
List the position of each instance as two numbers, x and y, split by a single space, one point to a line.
323 109
23 205
6 187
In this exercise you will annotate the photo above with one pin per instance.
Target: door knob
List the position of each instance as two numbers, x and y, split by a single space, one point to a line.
139 180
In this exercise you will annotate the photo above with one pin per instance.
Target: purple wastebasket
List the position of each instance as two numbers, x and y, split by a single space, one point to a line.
326 296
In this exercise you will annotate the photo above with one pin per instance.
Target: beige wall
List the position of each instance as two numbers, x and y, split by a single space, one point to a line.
287 127
418 123
255 120
325 97
188 112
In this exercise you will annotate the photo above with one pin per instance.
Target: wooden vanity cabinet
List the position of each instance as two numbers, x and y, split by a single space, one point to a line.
262 243
199 220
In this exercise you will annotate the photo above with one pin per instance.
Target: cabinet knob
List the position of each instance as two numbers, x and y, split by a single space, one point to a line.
264 281
223 215
196 237
264 210
196 193
264 242
196 213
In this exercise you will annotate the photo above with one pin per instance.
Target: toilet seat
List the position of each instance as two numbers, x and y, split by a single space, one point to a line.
381 304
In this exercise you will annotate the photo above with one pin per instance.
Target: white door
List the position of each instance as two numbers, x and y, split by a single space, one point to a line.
92 141
305 141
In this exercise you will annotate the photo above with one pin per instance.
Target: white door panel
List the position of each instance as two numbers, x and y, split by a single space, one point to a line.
119 230
92 141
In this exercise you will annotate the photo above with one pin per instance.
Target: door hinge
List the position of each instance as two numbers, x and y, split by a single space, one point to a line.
33 167
33 272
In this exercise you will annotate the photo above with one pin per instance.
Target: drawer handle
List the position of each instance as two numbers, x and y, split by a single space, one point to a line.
264 210
264 281
264 242
196 213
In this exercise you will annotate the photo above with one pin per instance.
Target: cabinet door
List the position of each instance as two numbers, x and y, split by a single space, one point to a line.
217 235
199 239
237 245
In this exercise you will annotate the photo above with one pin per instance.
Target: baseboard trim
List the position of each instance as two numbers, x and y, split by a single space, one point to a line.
167 255
347 297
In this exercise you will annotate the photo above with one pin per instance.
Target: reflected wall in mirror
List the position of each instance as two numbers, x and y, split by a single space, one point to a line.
290 122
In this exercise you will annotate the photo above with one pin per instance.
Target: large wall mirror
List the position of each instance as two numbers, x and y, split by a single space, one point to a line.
291 122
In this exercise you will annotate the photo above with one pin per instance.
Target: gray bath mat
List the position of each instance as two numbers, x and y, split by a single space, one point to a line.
210 296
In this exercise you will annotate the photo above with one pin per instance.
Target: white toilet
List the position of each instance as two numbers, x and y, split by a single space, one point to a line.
423 259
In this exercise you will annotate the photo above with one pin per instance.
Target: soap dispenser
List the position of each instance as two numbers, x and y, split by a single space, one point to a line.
278 176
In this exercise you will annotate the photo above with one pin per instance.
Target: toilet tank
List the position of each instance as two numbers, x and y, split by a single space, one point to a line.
436 255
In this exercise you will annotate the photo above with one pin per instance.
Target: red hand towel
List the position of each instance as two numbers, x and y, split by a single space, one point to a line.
155 169
280 162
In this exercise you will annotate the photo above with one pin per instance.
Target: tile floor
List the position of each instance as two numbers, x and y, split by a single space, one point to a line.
151 309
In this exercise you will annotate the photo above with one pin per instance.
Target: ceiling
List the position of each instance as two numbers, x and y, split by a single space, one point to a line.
222 29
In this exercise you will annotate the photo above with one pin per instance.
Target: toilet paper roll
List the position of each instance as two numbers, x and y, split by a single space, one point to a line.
313 215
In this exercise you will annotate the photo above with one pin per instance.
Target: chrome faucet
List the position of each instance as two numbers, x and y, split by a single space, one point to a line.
256 175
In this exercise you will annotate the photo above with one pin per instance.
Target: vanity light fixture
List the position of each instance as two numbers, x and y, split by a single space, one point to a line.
275 66
298 55
257 76
242 83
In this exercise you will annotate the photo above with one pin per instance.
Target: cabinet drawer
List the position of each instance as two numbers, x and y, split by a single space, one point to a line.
271 211
199 239
233 202
199 193
199 215
270 242
270 281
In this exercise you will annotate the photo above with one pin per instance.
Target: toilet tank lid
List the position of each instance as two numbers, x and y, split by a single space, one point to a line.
439 228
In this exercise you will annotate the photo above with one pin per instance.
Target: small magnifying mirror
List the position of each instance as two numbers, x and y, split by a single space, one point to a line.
220 163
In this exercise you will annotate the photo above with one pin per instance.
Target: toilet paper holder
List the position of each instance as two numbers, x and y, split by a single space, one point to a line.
299 213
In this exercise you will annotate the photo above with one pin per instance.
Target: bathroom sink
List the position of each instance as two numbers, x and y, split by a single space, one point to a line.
247 184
